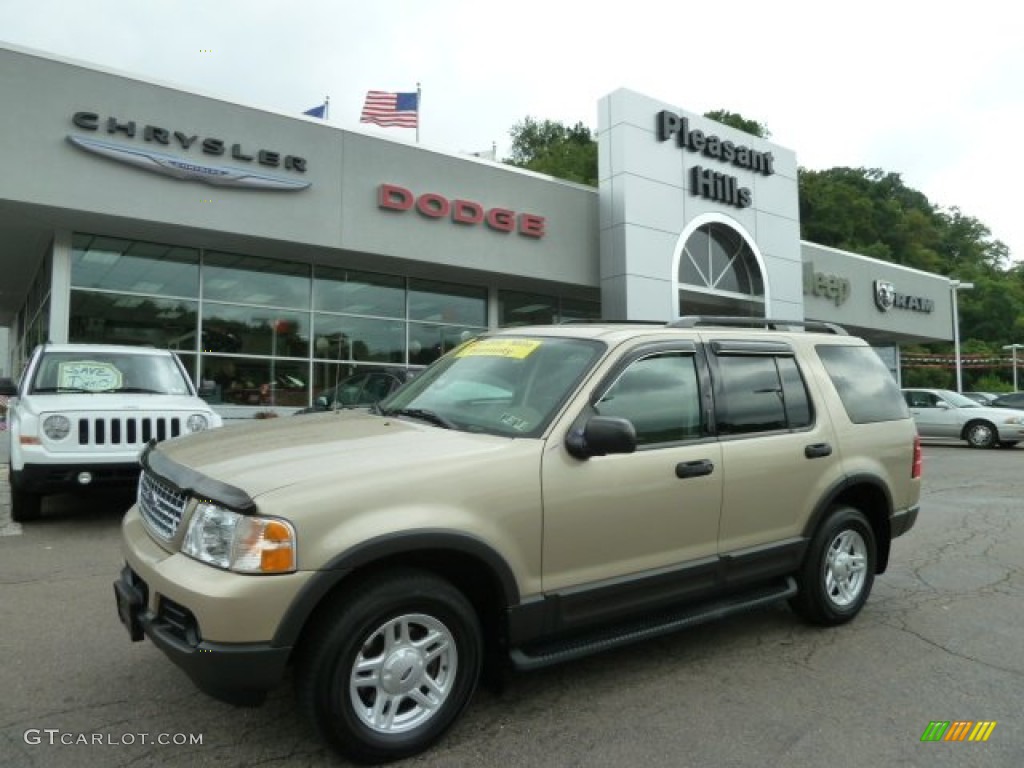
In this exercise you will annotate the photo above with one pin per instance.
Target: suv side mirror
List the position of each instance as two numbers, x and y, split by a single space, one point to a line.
207 389
8 388
600 436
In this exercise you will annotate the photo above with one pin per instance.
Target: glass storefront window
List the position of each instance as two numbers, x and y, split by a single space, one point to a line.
428 342
255 280
127 265
118 318
361 339
255 330
526 308
256 382
578 309
447 303
358 293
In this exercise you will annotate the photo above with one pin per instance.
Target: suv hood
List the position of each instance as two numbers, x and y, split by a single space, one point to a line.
267 455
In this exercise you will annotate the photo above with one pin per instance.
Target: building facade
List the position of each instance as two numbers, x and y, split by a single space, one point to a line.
278 253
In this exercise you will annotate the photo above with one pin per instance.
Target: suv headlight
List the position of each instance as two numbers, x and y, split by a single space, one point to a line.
57 427
241 543
197 423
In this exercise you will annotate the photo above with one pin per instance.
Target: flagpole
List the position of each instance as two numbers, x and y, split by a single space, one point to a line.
419 99
327 106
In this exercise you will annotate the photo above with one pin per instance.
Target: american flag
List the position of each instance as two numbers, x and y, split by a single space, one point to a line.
391 109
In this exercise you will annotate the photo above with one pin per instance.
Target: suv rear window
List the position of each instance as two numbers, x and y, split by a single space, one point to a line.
867 389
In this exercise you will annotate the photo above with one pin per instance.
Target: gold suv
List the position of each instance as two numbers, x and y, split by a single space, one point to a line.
535 495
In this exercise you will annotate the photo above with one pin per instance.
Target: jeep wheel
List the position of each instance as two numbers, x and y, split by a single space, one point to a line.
388 669
25 505
839 569
980 434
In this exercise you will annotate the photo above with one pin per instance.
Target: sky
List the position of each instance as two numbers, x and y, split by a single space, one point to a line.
920 88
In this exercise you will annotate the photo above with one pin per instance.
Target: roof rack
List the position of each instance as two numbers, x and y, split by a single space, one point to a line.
692 321
601 321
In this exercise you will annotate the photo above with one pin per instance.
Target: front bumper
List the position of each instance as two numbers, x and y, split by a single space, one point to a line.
47 479
235 673
217 626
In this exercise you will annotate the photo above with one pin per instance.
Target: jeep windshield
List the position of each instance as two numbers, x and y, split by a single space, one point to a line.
502 385
107 373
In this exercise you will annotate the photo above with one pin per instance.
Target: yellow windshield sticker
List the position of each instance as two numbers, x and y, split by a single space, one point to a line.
88 375
517 349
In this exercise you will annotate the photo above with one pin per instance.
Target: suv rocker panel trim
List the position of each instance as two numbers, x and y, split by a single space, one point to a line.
368 552
616 600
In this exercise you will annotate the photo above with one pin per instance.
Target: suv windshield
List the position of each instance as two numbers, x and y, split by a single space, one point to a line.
501 385
103 373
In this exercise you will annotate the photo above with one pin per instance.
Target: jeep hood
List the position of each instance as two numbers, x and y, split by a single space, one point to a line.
263 456
115 401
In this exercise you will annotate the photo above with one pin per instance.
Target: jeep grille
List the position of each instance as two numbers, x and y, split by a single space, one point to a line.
161 506
127 430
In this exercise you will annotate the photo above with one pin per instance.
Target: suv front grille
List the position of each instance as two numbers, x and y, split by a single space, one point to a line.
161 505
127 430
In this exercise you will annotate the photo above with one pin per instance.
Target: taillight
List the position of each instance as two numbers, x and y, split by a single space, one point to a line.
915 471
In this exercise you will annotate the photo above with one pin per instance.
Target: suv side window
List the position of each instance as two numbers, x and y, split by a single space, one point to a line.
868 391
659 395
760 393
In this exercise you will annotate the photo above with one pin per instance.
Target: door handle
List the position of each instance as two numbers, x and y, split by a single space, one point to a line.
817 450
685 469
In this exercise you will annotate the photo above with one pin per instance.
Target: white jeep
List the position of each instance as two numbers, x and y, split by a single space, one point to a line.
82 413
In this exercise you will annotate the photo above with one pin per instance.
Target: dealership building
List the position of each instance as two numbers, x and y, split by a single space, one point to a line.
271 248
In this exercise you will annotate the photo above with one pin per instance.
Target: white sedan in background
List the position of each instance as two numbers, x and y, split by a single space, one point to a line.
946 414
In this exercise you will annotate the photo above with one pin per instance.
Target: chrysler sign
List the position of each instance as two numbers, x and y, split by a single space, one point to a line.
195 168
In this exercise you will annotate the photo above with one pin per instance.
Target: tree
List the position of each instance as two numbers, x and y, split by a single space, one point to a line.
550 147
740 123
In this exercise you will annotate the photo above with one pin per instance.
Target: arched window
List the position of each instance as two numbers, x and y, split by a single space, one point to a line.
719 273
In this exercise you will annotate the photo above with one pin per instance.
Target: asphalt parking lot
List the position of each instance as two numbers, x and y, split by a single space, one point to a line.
941 639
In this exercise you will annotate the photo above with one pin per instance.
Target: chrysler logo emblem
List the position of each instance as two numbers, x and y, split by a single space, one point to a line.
187 170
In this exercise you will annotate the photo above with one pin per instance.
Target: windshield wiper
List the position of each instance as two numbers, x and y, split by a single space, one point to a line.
422 413
137 391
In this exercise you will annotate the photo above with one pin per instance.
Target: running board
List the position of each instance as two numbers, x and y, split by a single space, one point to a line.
545 655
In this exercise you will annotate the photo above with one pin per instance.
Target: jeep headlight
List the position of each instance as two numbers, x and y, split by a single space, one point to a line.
241 543
56 427
197 423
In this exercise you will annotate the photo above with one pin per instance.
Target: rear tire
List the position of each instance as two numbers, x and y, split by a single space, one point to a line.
839 569
388 668
25 505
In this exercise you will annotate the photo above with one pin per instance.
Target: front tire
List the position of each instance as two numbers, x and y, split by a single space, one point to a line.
981 434
389 667
839 569
25 505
